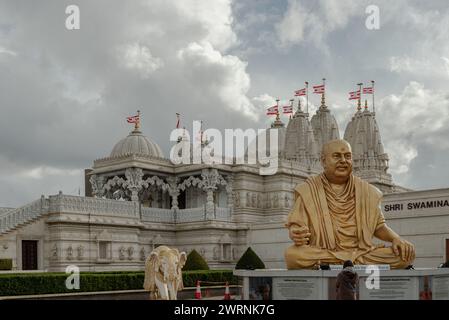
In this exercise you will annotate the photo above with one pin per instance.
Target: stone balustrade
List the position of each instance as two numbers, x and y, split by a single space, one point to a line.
158 215
95 206
16 217
105 207
191 215
222 214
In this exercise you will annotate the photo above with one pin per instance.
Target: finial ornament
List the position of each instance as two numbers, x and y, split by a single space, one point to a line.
359 103
137 124
323 95
277 112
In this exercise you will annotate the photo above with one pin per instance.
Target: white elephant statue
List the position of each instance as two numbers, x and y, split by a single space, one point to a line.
163 276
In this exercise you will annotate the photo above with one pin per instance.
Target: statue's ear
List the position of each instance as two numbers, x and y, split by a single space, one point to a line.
182 259
154 261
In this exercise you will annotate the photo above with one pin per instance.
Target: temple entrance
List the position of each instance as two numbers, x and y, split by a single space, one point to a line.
447 250
29 254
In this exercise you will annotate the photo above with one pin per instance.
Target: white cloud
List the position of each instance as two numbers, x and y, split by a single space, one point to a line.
292 27
140 59
225 74
5 51
44 171
215 18
301 24
418 66
415 118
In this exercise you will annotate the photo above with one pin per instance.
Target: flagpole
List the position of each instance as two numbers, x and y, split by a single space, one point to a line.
277 110
137 125
201 132
307 98
291 105
359 105
372 85
323 98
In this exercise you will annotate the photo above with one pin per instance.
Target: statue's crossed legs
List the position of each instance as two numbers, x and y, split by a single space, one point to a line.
307 257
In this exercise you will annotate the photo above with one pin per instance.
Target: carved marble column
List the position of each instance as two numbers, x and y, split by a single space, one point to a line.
229 191
210 179
97 183
173 191
210 203
134 182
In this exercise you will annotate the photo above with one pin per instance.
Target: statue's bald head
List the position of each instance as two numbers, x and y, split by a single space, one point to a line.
336 159
330 146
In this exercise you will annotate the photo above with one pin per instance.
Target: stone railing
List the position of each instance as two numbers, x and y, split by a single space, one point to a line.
23 215
105 207
222 214
96 206
157 215
191 215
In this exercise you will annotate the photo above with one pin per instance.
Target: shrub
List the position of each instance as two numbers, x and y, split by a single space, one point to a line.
5 264
195 262
54 282
208 277
250 260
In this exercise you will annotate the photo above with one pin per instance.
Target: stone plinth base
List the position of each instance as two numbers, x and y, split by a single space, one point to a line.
374 284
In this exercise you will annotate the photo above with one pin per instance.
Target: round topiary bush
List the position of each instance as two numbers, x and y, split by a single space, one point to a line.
195 262
250 260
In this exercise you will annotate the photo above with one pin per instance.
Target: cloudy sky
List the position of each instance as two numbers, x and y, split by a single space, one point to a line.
64 94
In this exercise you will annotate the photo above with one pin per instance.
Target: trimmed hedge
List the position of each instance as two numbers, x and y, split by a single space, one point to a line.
195 262
209 277
250 260
46 283
5 264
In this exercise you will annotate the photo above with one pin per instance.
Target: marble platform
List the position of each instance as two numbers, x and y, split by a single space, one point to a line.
281 284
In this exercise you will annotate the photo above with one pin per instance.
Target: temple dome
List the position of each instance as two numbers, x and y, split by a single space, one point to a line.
136 143
300 144
370 161
253 147
325 127
362 133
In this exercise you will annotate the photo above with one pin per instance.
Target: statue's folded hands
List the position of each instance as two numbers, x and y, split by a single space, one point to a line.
299 235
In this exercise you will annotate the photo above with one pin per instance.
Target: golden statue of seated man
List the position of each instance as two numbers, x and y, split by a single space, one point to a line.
336 215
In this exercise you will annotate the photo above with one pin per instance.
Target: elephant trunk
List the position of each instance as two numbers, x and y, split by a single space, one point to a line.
172 289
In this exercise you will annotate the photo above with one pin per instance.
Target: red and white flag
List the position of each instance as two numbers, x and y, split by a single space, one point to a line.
287 109
274 110
318 89
355 95
133 119
368 90
300 92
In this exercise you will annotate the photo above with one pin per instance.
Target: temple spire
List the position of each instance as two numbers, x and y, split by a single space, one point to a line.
323 95
278 122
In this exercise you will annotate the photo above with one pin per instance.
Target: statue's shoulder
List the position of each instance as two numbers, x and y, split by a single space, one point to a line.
371 189
304 187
